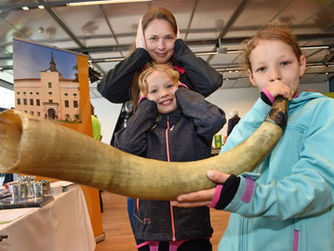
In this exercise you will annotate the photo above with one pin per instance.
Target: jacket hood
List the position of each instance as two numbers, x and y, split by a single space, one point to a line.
304 97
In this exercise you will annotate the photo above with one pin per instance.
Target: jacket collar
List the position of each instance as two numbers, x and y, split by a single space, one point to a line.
172 117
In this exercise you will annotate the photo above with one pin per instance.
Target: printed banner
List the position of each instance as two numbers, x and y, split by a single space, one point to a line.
218 140
46 82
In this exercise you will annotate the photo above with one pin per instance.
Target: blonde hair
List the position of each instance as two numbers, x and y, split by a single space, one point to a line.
164 68
270 33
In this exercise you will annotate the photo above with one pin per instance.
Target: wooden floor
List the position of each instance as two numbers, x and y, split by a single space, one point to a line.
118 234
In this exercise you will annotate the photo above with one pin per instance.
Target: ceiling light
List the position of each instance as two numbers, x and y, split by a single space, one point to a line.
234 51
206 53
113 59
315 47
83 3
25 8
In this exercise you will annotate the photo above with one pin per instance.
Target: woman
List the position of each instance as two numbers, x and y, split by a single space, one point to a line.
157 41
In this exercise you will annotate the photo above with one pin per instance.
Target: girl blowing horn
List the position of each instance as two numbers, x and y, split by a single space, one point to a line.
286 203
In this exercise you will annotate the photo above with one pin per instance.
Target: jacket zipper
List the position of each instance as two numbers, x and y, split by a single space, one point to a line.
167 142
168 159
296 232
244 224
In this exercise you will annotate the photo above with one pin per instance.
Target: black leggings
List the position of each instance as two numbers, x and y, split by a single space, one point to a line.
190 245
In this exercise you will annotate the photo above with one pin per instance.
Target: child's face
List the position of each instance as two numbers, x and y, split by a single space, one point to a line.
274 61
161 89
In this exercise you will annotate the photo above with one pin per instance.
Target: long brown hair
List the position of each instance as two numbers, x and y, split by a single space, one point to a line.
150 15
159 13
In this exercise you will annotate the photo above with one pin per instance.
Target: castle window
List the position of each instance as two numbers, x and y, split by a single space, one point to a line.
18 101
31 101
38 102
25 101
50 93
50 85
75 103
66 103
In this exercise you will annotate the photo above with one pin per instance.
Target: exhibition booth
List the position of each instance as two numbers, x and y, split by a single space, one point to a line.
51 84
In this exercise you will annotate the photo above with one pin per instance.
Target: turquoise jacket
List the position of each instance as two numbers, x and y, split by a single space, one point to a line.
287 202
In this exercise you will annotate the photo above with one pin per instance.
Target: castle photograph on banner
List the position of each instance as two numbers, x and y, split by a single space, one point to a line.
46 82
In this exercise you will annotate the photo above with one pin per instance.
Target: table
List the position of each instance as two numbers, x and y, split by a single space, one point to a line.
61 225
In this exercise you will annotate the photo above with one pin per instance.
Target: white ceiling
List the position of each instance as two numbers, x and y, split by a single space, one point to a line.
105 32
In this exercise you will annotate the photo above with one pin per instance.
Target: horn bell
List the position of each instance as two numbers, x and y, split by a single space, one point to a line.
42 147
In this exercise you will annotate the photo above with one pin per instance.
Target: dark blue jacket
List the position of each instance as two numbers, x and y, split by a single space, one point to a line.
186 135
195 72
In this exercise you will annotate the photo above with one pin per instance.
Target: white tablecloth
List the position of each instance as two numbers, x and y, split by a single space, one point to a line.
61 225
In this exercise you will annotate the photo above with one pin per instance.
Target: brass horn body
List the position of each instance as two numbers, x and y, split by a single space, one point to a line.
41 147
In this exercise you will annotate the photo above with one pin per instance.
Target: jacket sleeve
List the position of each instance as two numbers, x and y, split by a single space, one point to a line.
132 138
306 185
115 85
208 118
204 79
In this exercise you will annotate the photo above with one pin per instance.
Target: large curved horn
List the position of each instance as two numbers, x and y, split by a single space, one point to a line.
41 147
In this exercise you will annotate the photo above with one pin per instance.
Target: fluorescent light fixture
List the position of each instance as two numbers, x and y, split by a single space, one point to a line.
234 51
315 47
113 59
25 8
84 3
41 7
206 53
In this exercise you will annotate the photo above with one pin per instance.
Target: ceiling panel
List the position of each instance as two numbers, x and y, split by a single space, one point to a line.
106 32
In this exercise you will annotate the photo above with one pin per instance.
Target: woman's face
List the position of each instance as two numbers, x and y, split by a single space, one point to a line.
160 39
161 89
274 60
